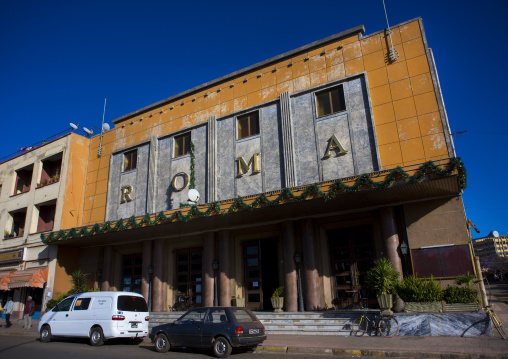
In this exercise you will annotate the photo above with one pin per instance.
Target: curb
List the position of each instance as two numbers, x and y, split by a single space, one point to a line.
375 353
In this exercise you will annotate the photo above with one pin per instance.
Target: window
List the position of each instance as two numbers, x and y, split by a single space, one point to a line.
18 223
130 160
51 169
330 101
82 304
46 218
248 125
182 144
128 303
64 305
23 180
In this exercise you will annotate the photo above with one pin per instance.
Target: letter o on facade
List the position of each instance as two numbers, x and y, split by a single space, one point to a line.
176 184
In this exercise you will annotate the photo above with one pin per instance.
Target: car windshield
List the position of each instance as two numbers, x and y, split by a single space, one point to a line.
195 315
243 315
130 303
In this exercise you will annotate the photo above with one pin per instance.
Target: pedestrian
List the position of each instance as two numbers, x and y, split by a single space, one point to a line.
9 307
29 312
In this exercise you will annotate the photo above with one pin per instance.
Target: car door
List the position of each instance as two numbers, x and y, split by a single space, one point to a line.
187 330
59 321
217 321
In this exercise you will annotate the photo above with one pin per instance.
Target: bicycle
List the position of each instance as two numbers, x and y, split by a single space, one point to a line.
386 324
496 322
183 303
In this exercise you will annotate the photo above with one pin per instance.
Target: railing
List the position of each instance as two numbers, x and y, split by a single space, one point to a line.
23 150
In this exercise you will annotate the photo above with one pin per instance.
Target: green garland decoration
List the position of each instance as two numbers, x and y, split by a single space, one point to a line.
363 182
192 181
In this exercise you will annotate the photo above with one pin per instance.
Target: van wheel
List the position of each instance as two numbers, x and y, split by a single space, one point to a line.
161 343
221 347
96 337
45 334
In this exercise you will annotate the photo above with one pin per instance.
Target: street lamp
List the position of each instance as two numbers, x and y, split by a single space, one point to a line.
298 261
403 250
215 267
99 278
150 274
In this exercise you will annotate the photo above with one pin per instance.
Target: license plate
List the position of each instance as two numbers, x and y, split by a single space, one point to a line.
253 331
134 325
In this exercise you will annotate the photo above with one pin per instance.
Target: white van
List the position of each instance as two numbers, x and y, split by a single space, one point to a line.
98 316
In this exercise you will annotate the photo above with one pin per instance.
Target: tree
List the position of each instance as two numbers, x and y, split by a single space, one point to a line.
494 264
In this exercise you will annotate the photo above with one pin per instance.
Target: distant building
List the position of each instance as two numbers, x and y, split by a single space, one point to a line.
41 190
492 244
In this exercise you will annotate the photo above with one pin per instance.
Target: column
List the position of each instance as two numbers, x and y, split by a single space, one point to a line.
158 255
224 290
390 237
147 260
391 242
208 279
287 140
291 292
310 272
106 268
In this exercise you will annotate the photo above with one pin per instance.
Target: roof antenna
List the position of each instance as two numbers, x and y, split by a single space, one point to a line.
392 52
104 127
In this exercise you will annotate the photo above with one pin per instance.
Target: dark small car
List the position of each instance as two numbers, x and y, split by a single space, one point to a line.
218 328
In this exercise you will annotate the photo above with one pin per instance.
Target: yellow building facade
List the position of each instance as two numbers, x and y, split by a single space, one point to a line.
280 174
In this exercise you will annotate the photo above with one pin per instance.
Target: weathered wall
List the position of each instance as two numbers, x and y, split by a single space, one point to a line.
436 222
405 104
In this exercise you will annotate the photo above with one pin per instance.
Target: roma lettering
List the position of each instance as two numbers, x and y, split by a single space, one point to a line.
334 144
126 191
244 168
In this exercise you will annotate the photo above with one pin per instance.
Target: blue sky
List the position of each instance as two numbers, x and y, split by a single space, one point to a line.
60 59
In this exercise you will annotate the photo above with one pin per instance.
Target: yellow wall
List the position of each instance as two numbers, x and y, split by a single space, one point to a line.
75 183
67 262
406 115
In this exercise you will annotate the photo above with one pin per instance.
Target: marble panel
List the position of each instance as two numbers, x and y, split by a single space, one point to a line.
272 169
304 136
199 138
249 183
226 136
337 165
164 155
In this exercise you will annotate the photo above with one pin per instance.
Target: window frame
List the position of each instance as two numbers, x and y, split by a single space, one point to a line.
330 98
182 136
249 127
133 160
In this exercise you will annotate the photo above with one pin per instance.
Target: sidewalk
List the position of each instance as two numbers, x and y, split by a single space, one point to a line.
366 346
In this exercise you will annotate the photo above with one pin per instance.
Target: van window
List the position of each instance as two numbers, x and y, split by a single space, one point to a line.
64 305
82 304
129 303
102 303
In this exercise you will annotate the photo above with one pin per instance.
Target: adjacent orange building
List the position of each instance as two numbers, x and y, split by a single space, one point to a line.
339 150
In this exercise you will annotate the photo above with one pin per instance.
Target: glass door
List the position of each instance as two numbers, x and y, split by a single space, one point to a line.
132 273
352 255
253 278
189 269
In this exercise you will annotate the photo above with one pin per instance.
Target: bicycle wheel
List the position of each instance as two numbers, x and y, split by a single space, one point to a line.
388 326
497 324
359 326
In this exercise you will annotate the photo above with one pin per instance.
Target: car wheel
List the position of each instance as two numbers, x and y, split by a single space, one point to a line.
45 334
96 337
161 343
221 347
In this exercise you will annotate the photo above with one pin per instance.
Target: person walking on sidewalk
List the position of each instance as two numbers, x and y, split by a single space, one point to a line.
29 312
9 307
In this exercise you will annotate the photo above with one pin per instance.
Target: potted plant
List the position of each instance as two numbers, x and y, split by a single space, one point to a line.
462 298
6 234
382 279
238 302
420 294
278 299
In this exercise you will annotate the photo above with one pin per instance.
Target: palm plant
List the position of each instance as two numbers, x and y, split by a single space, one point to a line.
382 278
78 279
